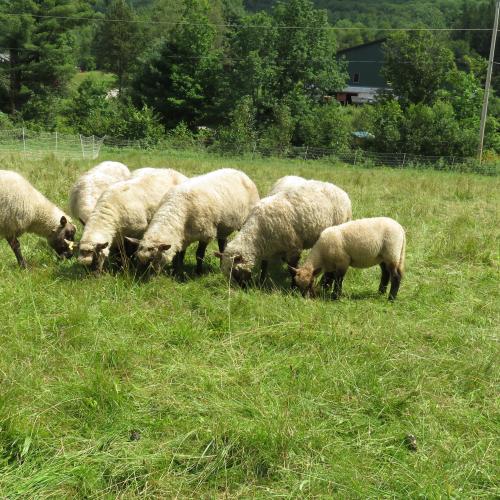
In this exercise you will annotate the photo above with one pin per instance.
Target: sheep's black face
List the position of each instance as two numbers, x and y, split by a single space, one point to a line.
62 239
241 276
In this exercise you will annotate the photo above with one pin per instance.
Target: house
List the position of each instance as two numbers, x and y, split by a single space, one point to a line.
364 65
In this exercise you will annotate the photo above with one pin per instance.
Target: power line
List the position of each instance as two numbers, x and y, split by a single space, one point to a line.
228 25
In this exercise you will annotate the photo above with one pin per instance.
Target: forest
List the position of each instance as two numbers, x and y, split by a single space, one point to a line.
236 75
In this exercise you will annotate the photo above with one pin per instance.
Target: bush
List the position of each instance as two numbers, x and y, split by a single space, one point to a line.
240 135
278 135
94 112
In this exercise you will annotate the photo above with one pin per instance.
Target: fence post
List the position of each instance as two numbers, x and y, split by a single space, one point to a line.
404 159
305 153
355 156
81 144
452 161
56 142
24 142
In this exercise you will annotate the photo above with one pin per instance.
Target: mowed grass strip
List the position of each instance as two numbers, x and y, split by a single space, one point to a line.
116 386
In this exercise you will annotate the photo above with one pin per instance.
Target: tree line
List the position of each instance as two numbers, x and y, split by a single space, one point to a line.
212 72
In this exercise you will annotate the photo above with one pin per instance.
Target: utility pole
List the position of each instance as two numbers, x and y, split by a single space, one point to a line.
484 114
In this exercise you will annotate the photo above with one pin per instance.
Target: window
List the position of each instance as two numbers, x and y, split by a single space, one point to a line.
355 78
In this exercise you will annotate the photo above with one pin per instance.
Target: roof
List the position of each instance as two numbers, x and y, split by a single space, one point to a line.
375 42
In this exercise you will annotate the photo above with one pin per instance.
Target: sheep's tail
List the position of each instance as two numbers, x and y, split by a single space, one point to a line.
401 265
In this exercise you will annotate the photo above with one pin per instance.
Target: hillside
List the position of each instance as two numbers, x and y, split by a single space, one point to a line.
391 13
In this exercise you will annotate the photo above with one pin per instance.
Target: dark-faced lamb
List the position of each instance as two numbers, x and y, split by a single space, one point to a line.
360 243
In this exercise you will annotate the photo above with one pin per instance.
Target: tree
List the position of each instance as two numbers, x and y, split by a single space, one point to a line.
179 79
416 63
40 49
306 53
118 40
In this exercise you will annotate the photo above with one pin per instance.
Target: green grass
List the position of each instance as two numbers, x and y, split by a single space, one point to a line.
98 76
259 393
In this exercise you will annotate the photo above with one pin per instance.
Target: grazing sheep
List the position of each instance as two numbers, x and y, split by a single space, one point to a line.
286 183
124 209
23 209
203 208
359 243
89 187
284 224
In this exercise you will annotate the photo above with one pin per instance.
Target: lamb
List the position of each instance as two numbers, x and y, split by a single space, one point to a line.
204 208
23 209
284 224
89 187
361 243
124 209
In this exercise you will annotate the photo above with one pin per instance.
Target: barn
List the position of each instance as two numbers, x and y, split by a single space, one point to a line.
364 65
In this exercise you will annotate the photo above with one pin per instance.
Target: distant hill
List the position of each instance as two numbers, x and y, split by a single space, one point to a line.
432 13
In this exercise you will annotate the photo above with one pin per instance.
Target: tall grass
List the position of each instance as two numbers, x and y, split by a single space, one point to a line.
114 386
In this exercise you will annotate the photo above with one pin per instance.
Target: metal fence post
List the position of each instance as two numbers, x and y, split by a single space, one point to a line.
24 142
404 159
81 144
355 156
56 142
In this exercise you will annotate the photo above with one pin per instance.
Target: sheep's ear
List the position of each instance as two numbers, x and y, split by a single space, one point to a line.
163 247
134 241
101 246
316 271
63 221
219 255
293 270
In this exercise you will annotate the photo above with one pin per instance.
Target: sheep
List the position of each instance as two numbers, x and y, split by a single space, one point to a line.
23 209
286 183
282 225
360 243
124 209
201 209
89 187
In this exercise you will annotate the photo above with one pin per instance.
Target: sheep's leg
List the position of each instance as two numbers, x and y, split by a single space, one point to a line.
384 279
327 280
200 255
16 248
395 282
293 262
263 270
338 278
178 262
222 242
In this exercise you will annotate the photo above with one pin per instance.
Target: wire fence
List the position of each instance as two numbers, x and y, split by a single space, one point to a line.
352 157
35 144
40 144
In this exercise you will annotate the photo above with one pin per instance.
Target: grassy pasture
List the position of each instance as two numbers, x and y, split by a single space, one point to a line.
117 387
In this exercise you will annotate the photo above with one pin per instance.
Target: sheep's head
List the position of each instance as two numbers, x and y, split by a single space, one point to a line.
155 255
62 238
93 255
303 277
236 267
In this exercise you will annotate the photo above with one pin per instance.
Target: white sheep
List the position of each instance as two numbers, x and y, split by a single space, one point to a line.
124 210
204 208
23 209
284 224
89 187
360 243
286 183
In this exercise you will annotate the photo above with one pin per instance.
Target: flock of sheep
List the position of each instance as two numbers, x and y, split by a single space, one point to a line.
154 214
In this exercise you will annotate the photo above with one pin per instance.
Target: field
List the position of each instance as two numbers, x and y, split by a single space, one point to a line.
115 386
